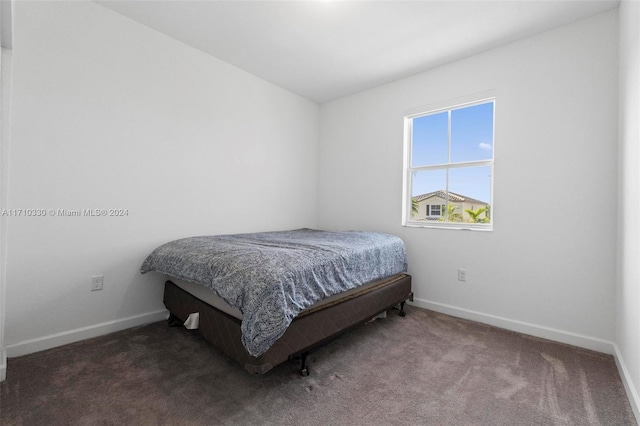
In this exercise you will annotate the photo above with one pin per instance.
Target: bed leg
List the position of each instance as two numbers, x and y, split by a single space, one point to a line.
402 313
173 321
304 369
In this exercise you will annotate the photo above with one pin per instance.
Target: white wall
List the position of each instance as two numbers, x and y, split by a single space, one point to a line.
628 283
5 91
544 269
3 352
111 114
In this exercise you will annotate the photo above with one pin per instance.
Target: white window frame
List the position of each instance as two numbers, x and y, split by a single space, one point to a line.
446 106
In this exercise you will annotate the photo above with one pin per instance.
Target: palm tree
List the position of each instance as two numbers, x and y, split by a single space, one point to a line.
451 215
475 215
415 207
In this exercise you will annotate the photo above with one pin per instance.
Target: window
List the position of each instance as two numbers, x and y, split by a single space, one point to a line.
449 166
435 210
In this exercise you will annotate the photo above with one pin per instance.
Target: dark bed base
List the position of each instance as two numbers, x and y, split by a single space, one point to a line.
307 331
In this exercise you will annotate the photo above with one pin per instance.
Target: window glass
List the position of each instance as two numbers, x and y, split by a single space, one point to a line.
473 184
472 133
430 140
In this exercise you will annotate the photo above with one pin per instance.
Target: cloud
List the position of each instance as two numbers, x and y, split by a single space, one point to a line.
485 146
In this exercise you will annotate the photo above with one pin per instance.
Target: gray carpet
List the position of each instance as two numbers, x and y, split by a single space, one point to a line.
424 369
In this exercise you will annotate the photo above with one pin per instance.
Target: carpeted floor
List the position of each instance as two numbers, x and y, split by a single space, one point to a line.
424 369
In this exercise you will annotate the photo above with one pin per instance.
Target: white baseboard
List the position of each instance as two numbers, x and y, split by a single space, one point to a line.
3 366
47 342
561 336
632 392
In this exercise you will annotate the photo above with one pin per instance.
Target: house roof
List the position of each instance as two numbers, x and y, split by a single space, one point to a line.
452 197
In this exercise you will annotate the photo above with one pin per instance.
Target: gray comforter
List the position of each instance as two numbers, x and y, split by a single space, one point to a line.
272 276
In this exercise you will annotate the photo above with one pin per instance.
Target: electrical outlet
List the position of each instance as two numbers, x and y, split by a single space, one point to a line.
96 282
462 275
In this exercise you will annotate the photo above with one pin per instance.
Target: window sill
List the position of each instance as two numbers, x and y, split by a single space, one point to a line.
457 227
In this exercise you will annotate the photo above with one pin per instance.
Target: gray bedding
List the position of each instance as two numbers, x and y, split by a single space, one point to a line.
272 276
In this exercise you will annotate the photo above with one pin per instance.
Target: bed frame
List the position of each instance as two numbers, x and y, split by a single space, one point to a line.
310 329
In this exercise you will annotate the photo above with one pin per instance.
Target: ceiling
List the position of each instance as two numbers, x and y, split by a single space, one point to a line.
323 50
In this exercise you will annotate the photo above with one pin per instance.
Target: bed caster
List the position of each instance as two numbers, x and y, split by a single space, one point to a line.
402 313
304 369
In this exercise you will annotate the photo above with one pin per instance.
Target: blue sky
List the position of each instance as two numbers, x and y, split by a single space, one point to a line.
471 140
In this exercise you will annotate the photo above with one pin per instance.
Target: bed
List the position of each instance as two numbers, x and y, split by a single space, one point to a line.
265 298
